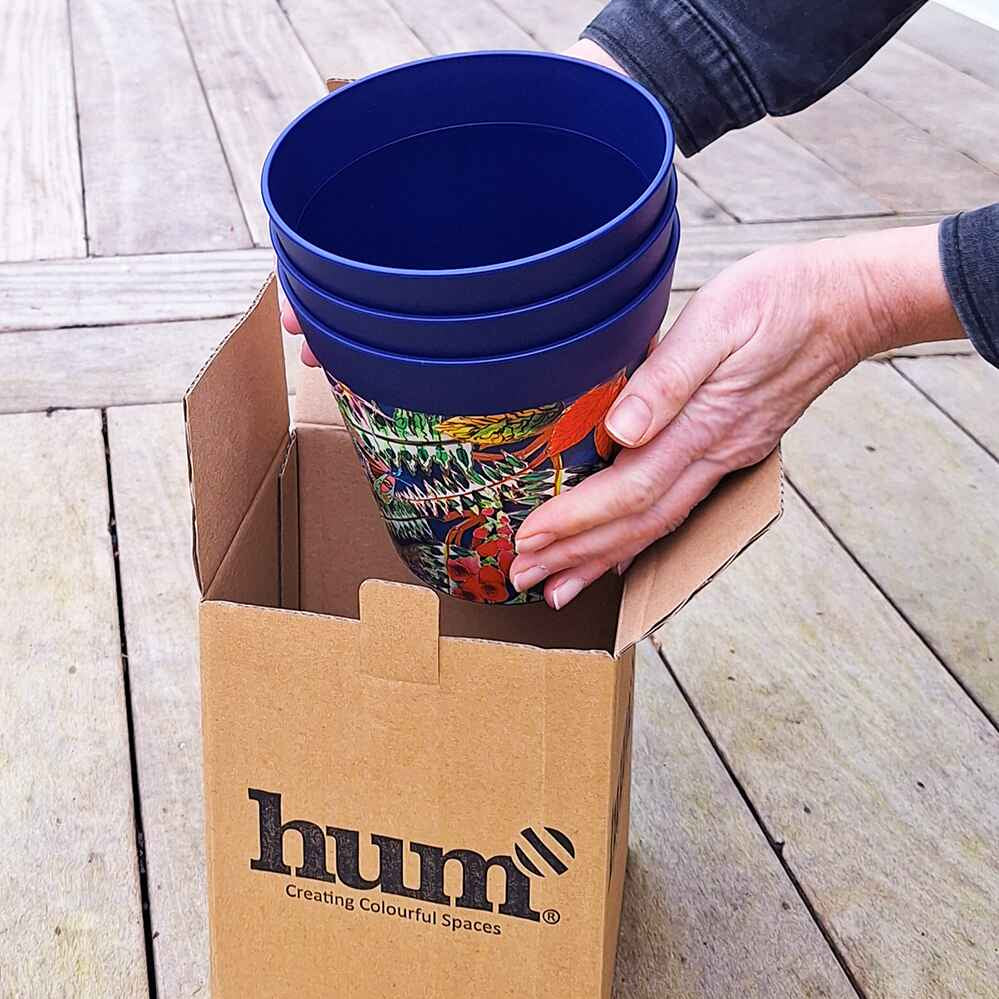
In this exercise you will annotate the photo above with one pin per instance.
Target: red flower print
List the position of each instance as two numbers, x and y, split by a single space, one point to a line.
506 560
462 569
493 585
480 533
492 549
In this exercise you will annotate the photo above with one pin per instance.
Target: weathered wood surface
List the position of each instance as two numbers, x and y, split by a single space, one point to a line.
155 175
913 498
760 175
101 291
349 38
70 913
862 756
177 286
41 195
553 24
444 26
708 909
951 106
109 365
957 40
889 157
153 510
257 78
967 388
938 348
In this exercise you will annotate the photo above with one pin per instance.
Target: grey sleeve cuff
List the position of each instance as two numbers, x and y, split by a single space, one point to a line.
689 67
969 255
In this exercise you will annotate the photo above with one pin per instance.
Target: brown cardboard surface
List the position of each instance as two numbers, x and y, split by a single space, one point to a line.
400 646
236 414
510 739
665 576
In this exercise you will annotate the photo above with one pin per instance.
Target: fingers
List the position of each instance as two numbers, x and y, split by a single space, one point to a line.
573 563
671 374
291 325
630 486
289 320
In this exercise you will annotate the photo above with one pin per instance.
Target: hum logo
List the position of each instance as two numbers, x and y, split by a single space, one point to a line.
433 862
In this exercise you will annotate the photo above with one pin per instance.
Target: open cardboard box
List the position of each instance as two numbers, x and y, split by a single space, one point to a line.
406 795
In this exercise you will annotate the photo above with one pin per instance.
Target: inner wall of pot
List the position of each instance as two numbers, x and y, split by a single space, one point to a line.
471 196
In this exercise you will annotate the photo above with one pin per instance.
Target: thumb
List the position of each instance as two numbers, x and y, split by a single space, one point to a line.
671 374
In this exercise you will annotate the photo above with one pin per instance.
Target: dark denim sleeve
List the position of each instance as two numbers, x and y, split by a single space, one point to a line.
717 65
722 64
969 252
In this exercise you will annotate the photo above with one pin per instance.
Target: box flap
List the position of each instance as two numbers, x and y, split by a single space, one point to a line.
667 574
236 416
400 632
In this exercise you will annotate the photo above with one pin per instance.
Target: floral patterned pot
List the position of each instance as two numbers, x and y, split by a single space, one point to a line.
454 490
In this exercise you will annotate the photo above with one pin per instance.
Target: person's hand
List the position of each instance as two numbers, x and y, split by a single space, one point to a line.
747 355
291 325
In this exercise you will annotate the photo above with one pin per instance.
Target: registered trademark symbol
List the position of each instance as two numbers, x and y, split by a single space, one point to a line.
551 916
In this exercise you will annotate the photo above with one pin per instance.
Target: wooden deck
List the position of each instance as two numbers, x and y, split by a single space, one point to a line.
816 780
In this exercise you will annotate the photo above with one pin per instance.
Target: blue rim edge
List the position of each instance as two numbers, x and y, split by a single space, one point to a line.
491 268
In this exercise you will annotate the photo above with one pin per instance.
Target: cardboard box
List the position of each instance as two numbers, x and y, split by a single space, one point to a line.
406 795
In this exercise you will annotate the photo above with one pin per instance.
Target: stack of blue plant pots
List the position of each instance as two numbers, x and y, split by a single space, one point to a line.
480 250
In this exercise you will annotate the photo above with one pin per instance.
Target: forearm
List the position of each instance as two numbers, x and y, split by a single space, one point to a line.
721 64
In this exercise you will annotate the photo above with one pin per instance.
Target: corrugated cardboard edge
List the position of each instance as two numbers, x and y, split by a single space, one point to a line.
636 623
205 567
288 527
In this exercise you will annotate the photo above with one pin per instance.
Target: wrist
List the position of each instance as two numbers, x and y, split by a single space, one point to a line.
900 294
588 50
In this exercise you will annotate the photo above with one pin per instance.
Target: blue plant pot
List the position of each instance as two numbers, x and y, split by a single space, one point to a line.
469 183
459 452
490 333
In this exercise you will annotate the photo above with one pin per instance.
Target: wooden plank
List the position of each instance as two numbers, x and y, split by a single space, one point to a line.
173 287
444 26
952 107
863 758
913 498
707 249
956 40
134 289
349 38
70 912
759 174
155 176
939 348
708 910
170 287
41 194
153 510
110 365
965 387
252 95
695 206
553 24
889 157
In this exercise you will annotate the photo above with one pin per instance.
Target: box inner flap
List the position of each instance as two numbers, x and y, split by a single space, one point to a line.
236 414
665 576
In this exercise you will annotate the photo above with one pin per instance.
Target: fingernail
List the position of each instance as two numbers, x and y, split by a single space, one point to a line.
533 543
526 579
566 592
629 420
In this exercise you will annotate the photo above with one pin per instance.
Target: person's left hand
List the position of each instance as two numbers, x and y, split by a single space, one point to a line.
747 356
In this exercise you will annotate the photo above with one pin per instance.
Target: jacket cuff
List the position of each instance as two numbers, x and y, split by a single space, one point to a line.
690 69
969 255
